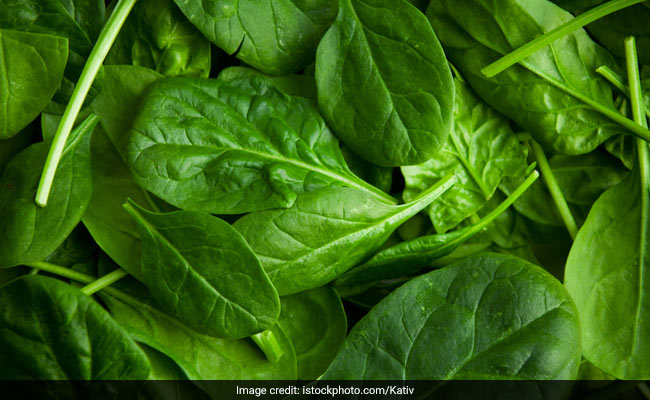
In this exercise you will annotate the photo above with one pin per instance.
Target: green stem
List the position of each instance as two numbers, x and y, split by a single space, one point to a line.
83 278
540 42
104 281
617 80
95 60
554 188
269 344
634 79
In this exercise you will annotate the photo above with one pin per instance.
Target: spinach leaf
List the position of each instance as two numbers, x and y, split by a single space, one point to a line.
202 357
32 68
14 145
113 229
157 35
325 234
487 317
606 274
386 53
291 85
199 269
379 177
276 37
411 256
229 147
611 31
79 21
481 150
316 324
555 94
77 248
29 232
50 330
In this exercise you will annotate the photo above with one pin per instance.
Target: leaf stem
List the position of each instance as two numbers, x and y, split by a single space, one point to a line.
269 344
549 37
554 188
95 60
104 281
617 80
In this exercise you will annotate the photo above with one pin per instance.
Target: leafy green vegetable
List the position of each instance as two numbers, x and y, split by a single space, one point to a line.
158 36
50 330
200 270
315 323
481 150
325 233
385 52
555 94
276 37
233 147
31 66
29 232
200 356
487 317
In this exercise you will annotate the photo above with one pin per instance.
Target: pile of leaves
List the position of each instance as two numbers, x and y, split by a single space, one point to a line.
335 189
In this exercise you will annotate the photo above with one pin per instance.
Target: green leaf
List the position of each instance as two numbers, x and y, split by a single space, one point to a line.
555 94
325 233
29 232
229 147
199 269
79 21
291 85
202 357
276 37
384 84
480 150
157 35
607 275
487 317
31 69
51 330
316 324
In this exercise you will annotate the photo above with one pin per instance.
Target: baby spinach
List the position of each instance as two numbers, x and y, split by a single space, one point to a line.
31 65
555 94
481 150
315 323
50 330
367 53
487 317
275 37
29 232
199 269
228 147
325 233
158 36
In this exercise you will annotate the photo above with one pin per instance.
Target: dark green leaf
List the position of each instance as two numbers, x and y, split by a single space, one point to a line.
29 232
487 317
199 356
199 269
384 84
555 94
607 275
31 67
233 147
325 234
480 150
51 330
315 323
276 37
157 35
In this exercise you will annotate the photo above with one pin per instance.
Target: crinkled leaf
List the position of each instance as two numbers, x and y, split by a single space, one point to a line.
475 33
228 147
481 150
